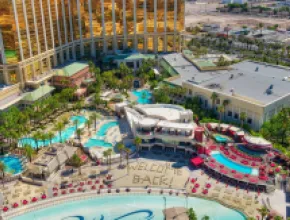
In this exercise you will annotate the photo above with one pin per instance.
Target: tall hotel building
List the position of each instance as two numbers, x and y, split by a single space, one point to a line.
36 35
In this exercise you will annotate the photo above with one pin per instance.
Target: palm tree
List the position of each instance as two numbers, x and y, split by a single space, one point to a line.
36 136
65 120
110 151
221 110
263 211
127 151
59 127
94 117
120 148
137 142
213 97
277 217
191 214
243 117
2 171
50 136
226 102
29 152
76 162
43 137
106 155
88 124
76 123
79 132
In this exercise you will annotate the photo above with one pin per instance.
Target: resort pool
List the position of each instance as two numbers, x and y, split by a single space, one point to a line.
97 142
100 135
249 151
105 127
232 165
13 164
220 139
130 207
65 134
143 96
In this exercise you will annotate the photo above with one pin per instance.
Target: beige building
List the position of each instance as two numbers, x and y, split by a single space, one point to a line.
260 90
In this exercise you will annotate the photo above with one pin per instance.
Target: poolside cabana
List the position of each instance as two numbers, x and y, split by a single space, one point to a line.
175 128
233 130
197 161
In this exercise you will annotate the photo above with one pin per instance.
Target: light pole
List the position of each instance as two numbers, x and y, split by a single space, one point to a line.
186 198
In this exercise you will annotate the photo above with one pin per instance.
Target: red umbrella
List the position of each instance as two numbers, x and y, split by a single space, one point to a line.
110 186
277 169
80 189
63 192
239 176
97 181
55 194
93 187
253 179
81 183
271 171
196 185
212 165
43 196
89 182
24 202
70 185
222 166
247 175
15 205
205 191
208 185
193 180
224 171
193 190
72 190
272 164
5 209
34 199
234 171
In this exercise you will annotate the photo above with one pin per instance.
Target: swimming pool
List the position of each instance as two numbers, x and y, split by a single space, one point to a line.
221 139
248 151
220 158
13 164
92 142
65 134
130 207
98 141
105 127
143 96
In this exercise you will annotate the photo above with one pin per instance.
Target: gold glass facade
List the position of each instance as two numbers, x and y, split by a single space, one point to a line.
38 34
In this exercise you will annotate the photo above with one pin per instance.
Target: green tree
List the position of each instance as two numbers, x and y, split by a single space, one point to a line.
221 110
2 171
277 217
76 162
89 124
59 126
137 142
226 102
121 148
205 217
37 136
263 212
94 117
29 152
50 136
191 214
79 133
213 98
127 151
243 117
106 155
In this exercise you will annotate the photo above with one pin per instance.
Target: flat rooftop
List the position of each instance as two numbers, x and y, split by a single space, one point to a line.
70 69
249 80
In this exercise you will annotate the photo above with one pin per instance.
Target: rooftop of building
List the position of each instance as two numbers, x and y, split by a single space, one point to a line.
38 93
130 56
70 69
259 82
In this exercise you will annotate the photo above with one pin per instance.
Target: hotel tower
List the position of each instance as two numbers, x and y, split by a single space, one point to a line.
37 35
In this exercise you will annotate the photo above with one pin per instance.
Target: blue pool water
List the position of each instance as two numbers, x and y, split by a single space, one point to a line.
105 127
220 139
250 152
13 164
143 96
220 158
65 134
130 207
92 142
100 135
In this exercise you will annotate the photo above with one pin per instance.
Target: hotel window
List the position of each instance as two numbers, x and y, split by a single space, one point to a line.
230 113
236 116
249 121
